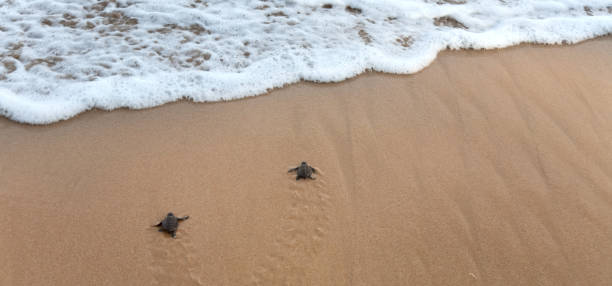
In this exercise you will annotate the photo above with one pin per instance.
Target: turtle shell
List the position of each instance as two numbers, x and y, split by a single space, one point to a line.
170 223
304 171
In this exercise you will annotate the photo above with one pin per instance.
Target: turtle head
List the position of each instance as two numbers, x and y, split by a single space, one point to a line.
170 214
304 163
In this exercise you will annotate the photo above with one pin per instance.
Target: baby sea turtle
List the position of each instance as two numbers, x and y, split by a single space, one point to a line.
304 171
170 224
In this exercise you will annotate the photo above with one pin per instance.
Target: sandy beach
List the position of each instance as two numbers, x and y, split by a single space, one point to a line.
486 168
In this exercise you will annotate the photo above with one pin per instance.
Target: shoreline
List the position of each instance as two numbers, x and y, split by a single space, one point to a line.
485 168
365 73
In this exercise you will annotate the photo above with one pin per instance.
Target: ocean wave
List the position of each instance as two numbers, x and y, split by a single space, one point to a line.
61 57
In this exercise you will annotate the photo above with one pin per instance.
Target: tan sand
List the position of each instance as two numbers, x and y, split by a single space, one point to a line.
487 168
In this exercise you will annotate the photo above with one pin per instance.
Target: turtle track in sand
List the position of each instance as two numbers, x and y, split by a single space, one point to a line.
173 261
300 237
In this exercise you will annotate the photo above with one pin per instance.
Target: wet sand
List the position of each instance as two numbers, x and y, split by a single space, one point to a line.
486 168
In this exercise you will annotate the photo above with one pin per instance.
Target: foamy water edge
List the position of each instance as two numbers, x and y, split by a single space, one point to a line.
60 58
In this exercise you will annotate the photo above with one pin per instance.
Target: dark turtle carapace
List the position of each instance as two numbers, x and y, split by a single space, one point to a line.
304 171
170 224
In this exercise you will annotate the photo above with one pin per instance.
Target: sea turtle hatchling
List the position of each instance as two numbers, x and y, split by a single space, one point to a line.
304 171
170 224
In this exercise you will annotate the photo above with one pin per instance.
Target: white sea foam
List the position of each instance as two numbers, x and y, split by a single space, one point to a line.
61 57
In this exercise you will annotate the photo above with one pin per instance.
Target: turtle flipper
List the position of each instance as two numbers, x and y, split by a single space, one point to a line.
159 224
293 170
313 170
183 218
